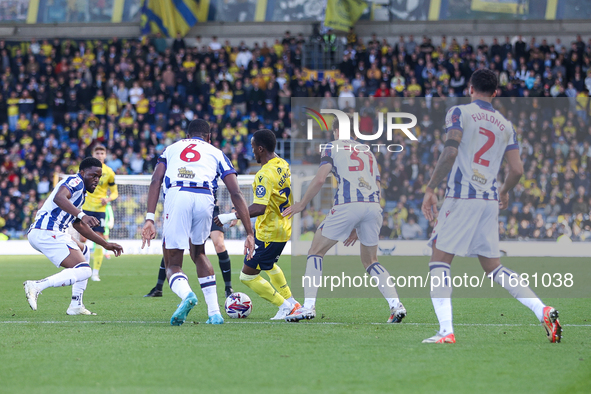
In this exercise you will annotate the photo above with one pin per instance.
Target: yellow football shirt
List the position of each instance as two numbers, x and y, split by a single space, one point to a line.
272 187
107 182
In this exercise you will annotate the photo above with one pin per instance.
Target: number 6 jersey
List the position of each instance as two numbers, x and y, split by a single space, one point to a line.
487 135
355 170
194 163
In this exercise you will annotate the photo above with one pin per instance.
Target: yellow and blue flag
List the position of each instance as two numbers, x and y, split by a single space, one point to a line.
169 17
343 14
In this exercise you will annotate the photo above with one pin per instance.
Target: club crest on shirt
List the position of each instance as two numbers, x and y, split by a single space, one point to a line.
478 177
74 182
260 191
364 183
184 173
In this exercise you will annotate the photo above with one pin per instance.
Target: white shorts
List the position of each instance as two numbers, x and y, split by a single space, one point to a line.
55 245
188 214
366 218
467 227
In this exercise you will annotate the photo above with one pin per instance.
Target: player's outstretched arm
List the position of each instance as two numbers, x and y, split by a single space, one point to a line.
515 172
62 200
231 182
312 191
443 167
87 232
254 210
149 230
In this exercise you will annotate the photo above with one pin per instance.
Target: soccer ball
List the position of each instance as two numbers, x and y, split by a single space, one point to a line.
238 306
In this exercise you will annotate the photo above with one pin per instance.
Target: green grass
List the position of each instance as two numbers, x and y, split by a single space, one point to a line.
131 348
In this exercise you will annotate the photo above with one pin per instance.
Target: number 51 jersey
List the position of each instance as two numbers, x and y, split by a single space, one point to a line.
487 135
194 163
356 171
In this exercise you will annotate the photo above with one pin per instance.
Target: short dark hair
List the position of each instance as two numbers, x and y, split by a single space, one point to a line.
484 81
266 139
198 127
90 162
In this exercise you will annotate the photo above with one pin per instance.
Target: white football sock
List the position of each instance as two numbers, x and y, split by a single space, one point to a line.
376 270
292 300
78 292
209 288
312 280
523 294
179 284
66 277
441 295
86 253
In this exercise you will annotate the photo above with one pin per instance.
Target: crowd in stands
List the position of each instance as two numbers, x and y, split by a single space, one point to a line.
60 97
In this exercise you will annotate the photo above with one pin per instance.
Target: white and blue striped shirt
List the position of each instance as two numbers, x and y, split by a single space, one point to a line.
355 169
195 164
52 217
486 136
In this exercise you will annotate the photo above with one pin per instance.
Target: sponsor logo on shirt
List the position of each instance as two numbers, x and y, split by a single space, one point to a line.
184 173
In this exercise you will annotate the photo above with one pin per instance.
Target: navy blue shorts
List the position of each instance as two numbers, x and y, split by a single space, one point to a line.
101 216
266 254
215 227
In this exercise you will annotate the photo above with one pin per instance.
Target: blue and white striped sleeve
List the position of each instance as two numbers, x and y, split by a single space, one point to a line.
453 120
73 184
326 154
512 141
225 166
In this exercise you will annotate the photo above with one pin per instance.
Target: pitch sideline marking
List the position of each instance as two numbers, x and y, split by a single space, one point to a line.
264 322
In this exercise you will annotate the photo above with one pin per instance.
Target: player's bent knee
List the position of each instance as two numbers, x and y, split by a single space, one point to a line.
82 272
247 278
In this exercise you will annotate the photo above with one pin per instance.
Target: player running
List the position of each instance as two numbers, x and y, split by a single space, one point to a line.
356 213
478 137
272 195
96 206
189 169
48 235
217 237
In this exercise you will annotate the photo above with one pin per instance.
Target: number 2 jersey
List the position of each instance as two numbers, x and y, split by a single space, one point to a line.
194 163
487 135
272 187
357 173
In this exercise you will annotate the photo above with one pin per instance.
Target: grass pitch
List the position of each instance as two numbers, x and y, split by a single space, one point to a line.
131 348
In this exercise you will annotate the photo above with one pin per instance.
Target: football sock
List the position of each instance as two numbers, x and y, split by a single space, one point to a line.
179 284
312 280
226 268
86 253
209 289
441 295
66 277
523 294
263 288
77 293
278 281
376 270
161 276
98 258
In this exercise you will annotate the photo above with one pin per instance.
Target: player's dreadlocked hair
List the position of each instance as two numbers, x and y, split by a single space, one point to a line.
484 81
266 139
90 162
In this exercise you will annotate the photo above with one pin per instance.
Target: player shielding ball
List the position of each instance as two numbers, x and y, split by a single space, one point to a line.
272 195
96 206
356 214
478 137
189 169
48 236
217 237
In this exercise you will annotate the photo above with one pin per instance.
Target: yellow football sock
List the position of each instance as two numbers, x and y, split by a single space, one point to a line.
97 257
263 288
279 282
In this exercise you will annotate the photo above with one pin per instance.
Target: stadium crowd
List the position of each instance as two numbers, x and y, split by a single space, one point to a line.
60 97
